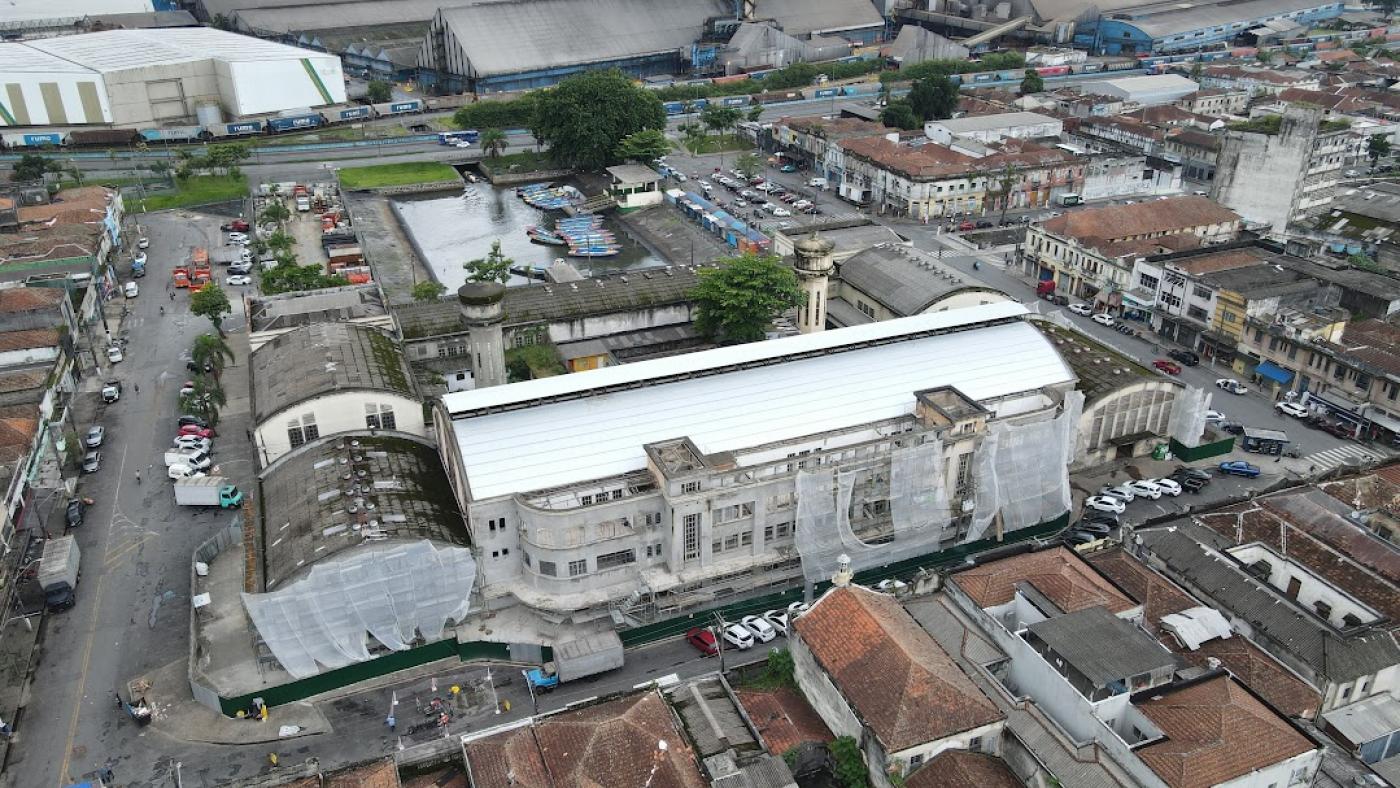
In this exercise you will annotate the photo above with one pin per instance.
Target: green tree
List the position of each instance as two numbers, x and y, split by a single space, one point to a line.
226 156
280 242
933 98
1377 146
514 114
32 167
751 164
275 212
1005 181
585 118
379 91
737 302
206 399
1264 56
493 142
494 267
1032 83
644 146
210 350
899 115
289 277
1197 70
694 137
755 113
780 668
210 301
428 290
719 118
850 763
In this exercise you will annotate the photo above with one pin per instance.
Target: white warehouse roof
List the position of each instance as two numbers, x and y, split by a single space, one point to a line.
118 50
572 428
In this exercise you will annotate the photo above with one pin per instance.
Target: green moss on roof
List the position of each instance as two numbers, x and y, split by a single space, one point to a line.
1100 369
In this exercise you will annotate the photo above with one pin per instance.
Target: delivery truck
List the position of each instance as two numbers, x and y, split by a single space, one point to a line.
576 659
207 491
59 572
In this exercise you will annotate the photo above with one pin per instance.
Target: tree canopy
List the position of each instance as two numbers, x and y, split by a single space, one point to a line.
379 91
737 301
1376 147
290 277
899 115
428 290
644 145
32 167
585 118
933 98
493 142
212 302
494 267
1033 83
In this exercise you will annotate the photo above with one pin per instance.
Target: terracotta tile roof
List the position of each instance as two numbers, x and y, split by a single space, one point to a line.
893 674
1210 262
380 774
1339 551
1194 138
28 299
784 718
609 744
930 160
1119 222
962 769
28 338
1258 75
69 206
1141 247
23 380
1374 342
18 426
1215 731
1246 661
1058 574
832 128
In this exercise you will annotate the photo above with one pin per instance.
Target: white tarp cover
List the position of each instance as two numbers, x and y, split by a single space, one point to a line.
918 502
1196 625
1188 417
1022 470
392 592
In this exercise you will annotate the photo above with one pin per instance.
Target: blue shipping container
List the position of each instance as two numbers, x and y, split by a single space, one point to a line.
251 127
825 92
674 107
354 113
36 140
172 134
736 101
296 122
406 106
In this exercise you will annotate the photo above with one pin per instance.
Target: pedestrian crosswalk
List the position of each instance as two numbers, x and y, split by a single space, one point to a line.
1353 454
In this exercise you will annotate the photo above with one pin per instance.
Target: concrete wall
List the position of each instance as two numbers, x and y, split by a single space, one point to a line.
168 92
27 356
332 414
1258 175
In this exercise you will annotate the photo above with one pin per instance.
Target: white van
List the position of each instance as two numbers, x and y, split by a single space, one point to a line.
816 183
131 290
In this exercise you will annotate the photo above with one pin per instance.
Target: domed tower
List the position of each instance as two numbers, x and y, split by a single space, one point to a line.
480 303
813 268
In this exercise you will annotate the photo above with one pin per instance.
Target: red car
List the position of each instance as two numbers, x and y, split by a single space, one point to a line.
1169 367
198 432
703 640
967 225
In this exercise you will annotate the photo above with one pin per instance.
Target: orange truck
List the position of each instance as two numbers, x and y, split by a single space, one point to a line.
200 273
181 276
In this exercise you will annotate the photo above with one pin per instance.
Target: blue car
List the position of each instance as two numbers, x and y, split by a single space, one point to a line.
1240 468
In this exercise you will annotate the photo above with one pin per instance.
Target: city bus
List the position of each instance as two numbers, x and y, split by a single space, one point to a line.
469 136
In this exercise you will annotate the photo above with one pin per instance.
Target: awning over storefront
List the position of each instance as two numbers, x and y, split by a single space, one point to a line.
1281 376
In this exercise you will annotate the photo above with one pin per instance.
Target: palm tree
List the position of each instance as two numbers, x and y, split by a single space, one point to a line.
212 352
206 399
493 141
276 212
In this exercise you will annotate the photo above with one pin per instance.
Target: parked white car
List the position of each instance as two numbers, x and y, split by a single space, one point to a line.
1123 492
193 443
738 636
1214 416
131 290
777 619
1168 486
1104 319
762 630
1231 385
114 354
1103 503
1145 488
1292 409
1083 310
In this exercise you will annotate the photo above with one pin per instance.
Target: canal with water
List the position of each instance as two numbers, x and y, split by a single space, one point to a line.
451 228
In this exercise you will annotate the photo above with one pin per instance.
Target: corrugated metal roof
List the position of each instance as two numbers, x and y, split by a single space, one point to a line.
1176 18
1101 646
1373 718
572 428
512 37
115 50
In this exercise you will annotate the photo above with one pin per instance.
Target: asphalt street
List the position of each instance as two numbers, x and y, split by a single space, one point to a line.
132 614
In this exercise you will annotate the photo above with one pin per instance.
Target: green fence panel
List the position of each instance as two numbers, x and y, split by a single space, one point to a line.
483 649
1201 452
302 689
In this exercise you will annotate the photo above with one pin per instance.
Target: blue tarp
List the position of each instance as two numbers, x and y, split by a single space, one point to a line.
1268 370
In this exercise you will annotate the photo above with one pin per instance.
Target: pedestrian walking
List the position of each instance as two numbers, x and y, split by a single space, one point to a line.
107 776
137 386
138 475
172 295
392 723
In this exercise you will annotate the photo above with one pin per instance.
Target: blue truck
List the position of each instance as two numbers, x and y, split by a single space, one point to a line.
575 659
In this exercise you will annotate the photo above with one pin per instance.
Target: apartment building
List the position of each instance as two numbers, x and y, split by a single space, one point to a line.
1278 179
924 179
642 491
1091 253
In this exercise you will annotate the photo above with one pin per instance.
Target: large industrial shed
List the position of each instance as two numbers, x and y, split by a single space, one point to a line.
1167 27
143 78
502 46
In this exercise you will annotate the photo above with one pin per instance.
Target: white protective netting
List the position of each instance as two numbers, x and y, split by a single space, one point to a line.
1187 421
918 507
1022 470
392 592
